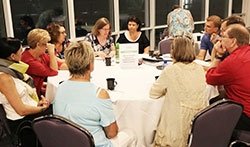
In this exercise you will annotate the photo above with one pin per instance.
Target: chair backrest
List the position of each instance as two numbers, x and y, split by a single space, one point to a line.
54 130
164 46
214 125
5 133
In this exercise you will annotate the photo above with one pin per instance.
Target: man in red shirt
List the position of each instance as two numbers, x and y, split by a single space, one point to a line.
234 71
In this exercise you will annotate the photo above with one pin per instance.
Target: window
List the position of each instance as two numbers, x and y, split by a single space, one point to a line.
196 7
237 6
138 8
40 12
88 11
2 23
218 7
162 9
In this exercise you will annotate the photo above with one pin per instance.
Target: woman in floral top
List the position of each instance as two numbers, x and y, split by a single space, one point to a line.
100 38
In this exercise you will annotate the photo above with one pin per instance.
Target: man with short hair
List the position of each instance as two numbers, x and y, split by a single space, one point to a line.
212 27
233 72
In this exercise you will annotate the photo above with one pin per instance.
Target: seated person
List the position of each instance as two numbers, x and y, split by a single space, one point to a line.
58 38
233 72
100 38
234 19
41 65
87 104
183 86
134 35
17 93
212 28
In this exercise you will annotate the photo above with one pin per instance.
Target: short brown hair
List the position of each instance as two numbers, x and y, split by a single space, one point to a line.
53 29
215 19
239 32
99 24
37 36
234 19
183 50
78 57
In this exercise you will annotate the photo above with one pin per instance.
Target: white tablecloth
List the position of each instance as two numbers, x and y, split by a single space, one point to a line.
132 106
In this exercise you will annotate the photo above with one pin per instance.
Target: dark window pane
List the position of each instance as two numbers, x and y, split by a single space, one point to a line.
218 7
40 12
196 7
2 25
198 28
137 8
162 9
237 6
88 11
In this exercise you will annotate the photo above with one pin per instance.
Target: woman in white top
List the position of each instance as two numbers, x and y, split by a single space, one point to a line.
17 93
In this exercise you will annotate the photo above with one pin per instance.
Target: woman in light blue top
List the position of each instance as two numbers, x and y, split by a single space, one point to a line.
81 101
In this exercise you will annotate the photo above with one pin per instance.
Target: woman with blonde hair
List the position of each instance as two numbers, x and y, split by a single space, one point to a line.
100 38
41 64
183 86
87 104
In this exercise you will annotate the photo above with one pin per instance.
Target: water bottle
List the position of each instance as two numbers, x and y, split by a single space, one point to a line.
165 62
117 53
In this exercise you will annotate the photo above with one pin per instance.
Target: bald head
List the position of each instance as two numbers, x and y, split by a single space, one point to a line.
239 32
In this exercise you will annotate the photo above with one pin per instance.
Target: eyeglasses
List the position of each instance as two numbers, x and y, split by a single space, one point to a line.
222 36
63 32
105 29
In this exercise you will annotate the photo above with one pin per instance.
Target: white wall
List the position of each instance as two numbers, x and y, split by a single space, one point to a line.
246 11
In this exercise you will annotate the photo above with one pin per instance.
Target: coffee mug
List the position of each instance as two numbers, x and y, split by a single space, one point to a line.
108 61
151 53
111 83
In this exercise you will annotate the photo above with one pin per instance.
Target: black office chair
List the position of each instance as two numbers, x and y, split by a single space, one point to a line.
238 143
54 130
5 133
241 138
213 126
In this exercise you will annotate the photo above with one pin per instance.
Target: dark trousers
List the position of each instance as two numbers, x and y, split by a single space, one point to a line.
243 123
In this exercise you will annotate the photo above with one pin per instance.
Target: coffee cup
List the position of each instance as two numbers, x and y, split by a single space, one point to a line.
151 53
108 61
111 83
198 38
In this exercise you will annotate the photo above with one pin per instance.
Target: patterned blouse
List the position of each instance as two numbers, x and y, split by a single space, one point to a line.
97 46
180 22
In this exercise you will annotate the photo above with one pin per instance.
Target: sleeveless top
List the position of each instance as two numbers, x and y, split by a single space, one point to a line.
78 102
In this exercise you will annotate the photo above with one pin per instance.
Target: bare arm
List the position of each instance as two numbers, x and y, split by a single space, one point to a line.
8 88
111 130
53 58
146 50
201 54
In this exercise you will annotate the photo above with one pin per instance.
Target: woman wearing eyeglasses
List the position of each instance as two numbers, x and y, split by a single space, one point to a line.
100 38
41 64
58 38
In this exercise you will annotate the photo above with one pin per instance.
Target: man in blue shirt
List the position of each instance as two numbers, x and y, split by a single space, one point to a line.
212 27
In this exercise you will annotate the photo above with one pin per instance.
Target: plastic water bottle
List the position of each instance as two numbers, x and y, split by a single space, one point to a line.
165 61
117 53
